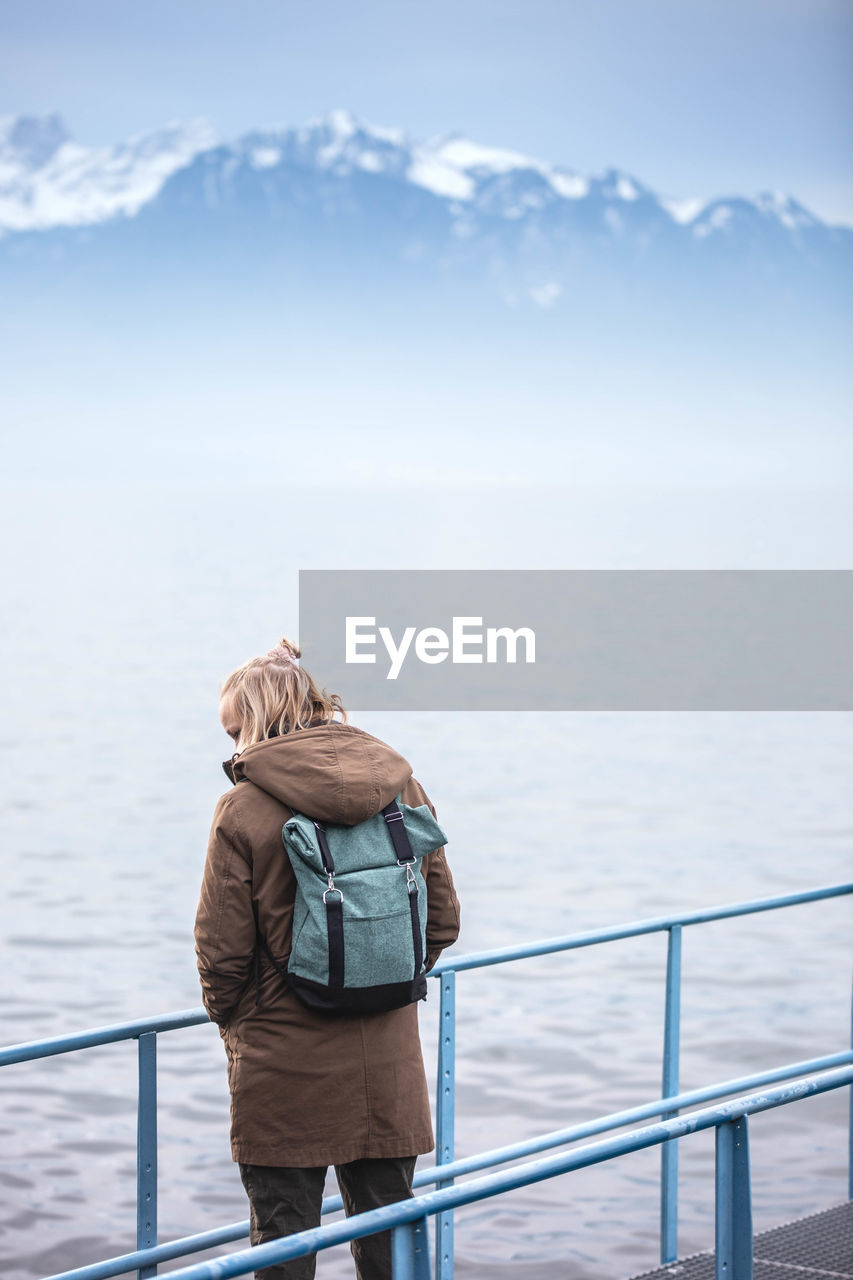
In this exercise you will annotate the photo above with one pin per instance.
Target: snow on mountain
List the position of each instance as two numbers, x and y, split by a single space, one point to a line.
770 209
47 180
683 210
458 168
336 143
494 180
788 211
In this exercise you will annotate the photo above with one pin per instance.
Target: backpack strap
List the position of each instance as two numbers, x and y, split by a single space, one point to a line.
406 858
333 901
417 941
397 829
325 851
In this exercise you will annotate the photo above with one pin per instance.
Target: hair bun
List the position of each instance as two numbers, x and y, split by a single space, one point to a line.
284 651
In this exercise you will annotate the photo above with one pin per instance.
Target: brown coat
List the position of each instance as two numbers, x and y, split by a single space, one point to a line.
306 1088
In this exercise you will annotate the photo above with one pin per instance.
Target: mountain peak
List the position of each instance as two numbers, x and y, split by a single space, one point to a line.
788 210
343 125
48 181
32 140
340 121
618 185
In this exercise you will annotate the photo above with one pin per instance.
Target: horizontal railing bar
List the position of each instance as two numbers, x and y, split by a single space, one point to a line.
100 1035
633 929
172 1249
619 1119
471 1164
34 1049
360 1225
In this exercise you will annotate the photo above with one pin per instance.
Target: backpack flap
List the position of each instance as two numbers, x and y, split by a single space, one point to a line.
362 846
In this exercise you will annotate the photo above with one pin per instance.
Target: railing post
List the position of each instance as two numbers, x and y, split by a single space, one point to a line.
850 1122
410 1251
445 1106
733 1202
669 1087
146 1150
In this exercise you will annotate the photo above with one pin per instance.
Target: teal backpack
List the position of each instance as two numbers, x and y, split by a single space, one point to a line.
359 919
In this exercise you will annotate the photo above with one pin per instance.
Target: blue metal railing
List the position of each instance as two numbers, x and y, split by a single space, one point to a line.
410 1247
407 1218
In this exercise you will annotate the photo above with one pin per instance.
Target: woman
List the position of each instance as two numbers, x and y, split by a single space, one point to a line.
307 1090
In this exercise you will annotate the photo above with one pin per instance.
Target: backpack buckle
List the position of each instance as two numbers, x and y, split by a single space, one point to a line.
332 888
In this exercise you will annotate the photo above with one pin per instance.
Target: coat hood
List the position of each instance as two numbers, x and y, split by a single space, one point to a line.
333 772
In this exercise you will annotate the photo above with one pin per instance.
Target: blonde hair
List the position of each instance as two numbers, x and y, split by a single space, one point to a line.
273 695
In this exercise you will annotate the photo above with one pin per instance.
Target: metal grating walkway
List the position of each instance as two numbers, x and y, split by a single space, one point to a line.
819 1247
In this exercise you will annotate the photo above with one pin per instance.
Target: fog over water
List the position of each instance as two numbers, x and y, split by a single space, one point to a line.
135 582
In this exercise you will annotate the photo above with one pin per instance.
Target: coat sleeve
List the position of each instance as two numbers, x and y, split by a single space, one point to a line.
225 922
442 928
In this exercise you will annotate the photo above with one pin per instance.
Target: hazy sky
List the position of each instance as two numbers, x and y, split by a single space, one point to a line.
695 97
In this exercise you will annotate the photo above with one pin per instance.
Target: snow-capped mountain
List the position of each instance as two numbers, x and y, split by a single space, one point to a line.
48 180
297 208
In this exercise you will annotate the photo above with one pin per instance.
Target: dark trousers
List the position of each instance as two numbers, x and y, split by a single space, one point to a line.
284 1201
